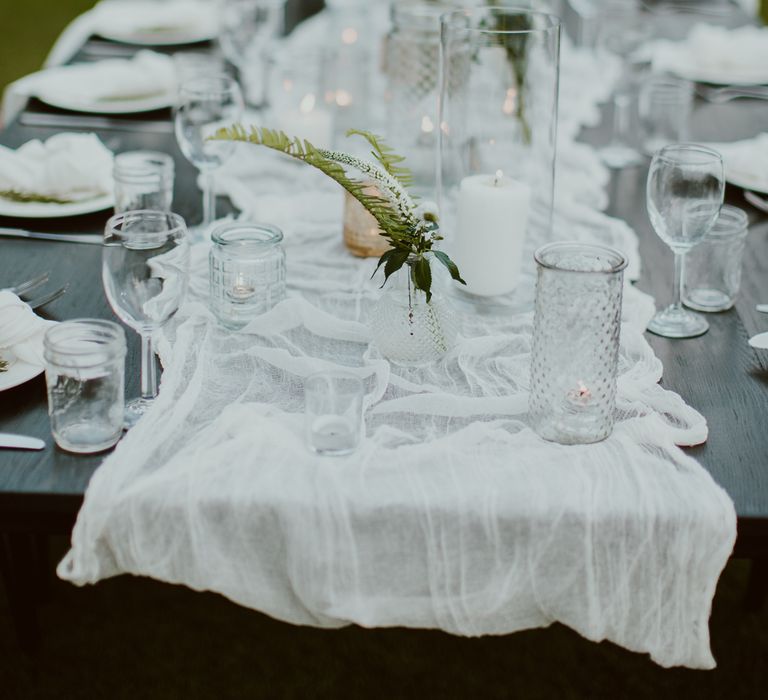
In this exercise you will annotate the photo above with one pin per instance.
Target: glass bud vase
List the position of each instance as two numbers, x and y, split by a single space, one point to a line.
406 328
574 357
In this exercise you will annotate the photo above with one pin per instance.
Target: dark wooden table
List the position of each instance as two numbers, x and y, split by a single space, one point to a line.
718 373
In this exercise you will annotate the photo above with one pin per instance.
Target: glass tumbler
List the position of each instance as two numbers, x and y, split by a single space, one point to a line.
334 412
713 268
247 266
574 358
143 180
665 111
85 373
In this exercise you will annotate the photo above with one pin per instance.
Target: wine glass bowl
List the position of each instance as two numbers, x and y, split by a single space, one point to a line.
145 268
685 190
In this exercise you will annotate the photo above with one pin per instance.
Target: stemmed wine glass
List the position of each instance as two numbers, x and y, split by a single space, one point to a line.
685 190
145 268
205 104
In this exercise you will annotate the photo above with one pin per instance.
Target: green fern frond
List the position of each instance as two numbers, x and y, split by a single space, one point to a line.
385 155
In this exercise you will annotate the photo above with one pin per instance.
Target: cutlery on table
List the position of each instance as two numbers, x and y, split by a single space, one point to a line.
720 95
76 121
29 285
93 238
759 341
756 201
48 298
20 442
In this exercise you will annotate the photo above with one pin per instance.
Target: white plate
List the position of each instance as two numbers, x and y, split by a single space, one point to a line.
173 37
43 210
747 181
18 371
130 106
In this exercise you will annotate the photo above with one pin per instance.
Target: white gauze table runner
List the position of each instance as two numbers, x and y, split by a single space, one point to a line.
453 514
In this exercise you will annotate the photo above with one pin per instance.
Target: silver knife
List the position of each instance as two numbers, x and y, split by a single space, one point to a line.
88 122
20 442
94 238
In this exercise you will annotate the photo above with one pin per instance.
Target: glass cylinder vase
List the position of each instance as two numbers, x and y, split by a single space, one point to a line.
408 329
574 356
497 132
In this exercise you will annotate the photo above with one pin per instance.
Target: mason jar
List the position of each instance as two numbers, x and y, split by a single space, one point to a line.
84 375
143 180
247 272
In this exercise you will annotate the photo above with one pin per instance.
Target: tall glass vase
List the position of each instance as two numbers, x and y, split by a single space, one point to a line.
497 132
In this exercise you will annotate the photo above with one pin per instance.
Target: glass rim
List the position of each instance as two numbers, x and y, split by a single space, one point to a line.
114 344
334 374
731 221
214 84
662 153
450 20
620 263
273 234
114 223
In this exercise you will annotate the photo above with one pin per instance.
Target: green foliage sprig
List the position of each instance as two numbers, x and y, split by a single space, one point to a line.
26 197
411 229
3 365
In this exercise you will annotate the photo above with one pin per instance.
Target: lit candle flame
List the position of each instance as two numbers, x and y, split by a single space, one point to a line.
349 35
343 98
307 103
509 102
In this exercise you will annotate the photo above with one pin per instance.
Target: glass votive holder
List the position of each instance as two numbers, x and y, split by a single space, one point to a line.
574 357
84 373
665 105
247 272
143 180
713 267
333 412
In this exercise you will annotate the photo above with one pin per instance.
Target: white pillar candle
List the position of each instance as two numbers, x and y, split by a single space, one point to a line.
487 244
310 122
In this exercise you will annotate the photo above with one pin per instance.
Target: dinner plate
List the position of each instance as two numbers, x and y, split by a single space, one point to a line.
18 371
747 181
170 37
45 210
127 106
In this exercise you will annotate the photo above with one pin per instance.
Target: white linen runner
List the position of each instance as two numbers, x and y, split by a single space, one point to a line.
453 514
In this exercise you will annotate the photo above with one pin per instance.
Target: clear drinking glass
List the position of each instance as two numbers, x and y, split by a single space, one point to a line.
713 268
85 376
665 110
249 30
574 356
247 272
145 267
143 180
190 65
333 412
204 105
685 191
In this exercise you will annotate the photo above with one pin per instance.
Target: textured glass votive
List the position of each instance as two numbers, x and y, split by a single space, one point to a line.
333 412
713 268
84 373
575 351
143 180
247 266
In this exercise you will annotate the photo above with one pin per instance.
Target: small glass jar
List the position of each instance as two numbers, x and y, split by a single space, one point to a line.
575 352
713 267
84 373
247 266
143 180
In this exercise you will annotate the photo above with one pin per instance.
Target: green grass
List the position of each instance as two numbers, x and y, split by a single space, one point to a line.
29 29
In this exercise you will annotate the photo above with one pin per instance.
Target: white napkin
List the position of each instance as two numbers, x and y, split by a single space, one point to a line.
746 162
716 54
147 18
67 166
21 330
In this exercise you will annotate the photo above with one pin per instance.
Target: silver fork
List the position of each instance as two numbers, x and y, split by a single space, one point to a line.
726 94
48 298
29 285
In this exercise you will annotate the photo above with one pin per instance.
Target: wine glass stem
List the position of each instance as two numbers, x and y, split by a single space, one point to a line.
209 199
678 282
148 368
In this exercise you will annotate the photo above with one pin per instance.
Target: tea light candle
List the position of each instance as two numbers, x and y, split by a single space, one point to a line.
241 290
310 122
487 244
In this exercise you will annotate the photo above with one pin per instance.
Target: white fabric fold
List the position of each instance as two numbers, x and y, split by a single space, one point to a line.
746 161
21 329
66 166
148 18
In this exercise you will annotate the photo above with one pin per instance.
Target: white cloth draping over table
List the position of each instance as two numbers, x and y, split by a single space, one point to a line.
453 514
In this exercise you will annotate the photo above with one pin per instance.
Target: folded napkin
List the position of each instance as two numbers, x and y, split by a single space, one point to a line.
68 167
746 162
147 74
717 54
148 19
21 330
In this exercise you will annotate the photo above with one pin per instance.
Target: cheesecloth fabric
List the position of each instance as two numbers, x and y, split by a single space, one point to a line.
453 514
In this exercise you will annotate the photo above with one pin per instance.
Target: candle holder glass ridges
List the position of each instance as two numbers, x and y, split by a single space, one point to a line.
574 357
497 133
247 272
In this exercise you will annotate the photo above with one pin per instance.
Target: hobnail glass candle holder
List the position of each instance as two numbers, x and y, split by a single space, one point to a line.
574 357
